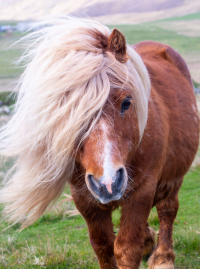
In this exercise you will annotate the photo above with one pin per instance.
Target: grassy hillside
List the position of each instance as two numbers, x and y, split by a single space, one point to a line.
193 16
161 31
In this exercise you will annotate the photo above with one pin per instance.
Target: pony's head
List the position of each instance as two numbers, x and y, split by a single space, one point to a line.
83 98
106 152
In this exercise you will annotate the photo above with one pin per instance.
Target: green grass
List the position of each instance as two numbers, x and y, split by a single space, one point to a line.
8 55
193 16
7 67
55 241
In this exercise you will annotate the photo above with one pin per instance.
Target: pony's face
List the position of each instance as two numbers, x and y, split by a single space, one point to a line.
108 149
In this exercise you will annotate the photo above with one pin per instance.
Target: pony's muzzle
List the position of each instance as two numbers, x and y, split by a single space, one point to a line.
106 188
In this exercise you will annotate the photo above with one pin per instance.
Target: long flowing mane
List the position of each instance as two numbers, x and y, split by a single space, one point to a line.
67 80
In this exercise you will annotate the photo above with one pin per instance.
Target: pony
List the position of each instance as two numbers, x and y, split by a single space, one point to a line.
118 123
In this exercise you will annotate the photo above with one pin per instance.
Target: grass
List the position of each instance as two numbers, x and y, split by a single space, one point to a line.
7 68
193 16
53 241
8 54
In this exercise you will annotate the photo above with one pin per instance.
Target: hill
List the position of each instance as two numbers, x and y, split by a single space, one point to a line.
106 11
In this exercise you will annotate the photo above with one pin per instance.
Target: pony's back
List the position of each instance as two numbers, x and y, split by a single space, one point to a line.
173 96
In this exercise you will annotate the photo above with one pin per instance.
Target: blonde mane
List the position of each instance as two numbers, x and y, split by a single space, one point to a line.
63 90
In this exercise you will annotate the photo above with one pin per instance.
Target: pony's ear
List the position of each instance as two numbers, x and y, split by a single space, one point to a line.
117 45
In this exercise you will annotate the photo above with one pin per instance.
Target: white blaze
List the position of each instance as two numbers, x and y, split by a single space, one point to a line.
106 158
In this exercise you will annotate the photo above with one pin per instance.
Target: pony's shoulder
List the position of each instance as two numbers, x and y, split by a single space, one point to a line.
151 50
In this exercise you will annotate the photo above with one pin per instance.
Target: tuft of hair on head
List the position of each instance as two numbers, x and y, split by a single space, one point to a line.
71 65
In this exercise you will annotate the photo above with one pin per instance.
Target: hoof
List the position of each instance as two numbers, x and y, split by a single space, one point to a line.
168 265
154 264
149 243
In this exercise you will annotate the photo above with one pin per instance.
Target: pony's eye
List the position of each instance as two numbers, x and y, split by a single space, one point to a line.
125 105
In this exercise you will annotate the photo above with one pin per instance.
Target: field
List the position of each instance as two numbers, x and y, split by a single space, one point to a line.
59 241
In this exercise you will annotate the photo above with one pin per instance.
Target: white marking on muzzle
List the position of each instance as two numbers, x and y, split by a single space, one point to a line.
106 159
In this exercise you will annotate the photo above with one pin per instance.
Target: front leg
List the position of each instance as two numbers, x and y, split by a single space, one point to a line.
100 229
102 238
129 244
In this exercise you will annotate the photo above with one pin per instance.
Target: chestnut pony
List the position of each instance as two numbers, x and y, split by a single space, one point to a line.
118 123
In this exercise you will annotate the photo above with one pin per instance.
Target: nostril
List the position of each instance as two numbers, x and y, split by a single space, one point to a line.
93 183
120 173
120 178
90 177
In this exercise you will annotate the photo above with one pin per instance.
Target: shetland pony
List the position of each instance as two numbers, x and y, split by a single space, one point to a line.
118 123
